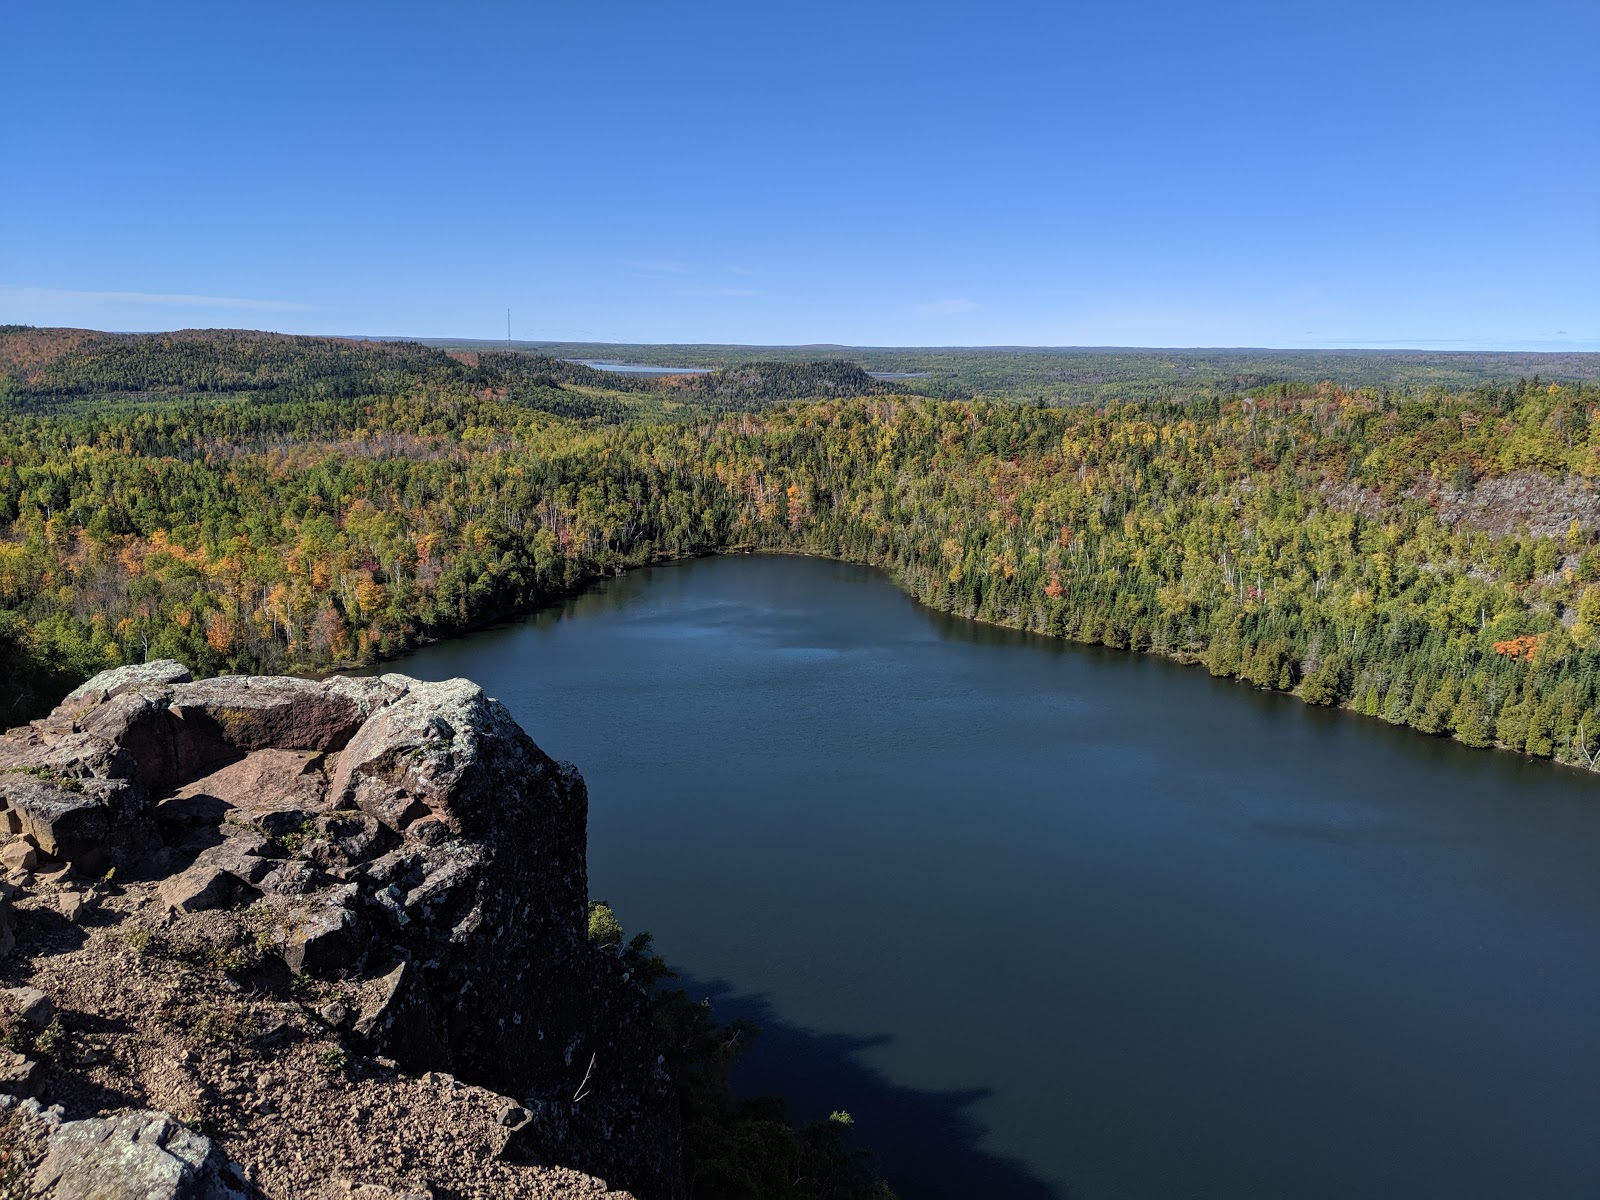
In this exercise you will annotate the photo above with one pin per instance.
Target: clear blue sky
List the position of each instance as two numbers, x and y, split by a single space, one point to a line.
1268 174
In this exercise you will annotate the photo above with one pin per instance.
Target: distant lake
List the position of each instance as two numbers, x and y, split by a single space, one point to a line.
1056 921
640 368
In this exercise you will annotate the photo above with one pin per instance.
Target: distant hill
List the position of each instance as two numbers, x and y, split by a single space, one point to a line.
57 366
1095 375
744 384
81 362
777 382
51 366
518 367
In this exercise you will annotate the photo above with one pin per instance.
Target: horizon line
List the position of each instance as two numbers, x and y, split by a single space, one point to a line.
1354 346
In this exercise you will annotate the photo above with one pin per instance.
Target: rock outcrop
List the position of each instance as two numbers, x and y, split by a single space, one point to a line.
341 925
133 1154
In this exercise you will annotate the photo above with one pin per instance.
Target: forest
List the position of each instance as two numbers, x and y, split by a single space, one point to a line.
1427 556
1095 375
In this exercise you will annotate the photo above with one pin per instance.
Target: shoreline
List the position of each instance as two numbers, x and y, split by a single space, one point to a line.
1177 658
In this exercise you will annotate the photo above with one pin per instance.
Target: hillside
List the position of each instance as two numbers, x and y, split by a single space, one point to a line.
1432 559
776 382
50 367
55 363
1093 375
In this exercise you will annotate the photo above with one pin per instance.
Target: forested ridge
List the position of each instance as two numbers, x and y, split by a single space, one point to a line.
1430 558
44 369
1096 375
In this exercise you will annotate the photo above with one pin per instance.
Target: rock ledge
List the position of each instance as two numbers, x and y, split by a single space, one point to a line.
275 937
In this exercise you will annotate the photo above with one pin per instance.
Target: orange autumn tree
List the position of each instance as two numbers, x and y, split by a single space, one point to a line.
1524 648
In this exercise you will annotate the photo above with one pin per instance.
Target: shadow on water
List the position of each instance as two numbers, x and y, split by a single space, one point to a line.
926 1143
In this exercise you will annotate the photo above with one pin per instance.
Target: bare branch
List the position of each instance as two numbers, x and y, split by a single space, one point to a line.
583 1088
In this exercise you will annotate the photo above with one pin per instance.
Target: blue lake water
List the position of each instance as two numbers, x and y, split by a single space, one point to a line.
1057 921
641 368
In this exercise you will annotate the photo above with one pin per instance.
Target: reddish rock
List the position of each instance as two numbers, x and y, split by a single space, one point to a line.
322 943
19 854
141 729
405 841
75 906
19 1074
271 712
204 885
70 822
398 1022
242 855
32 1005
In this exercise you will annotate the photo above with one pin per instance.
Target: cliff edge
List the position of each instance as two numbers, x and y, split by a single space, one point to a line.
272 937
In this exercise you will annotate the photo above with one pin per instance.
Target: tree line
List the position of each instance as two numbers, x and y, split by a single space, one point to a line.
1430 560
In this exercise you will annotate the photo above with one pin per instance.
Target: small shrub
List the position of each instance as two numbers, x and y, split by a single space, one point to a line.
51 1038
65 782
199 1122
605 930
206 956
146 943
289 845
205 1022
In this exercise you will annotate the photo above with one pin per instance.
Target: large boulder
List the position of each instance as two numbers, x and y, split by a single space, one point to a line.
256 713
64 818
114 682
425 755
403 842
133 1156
491 865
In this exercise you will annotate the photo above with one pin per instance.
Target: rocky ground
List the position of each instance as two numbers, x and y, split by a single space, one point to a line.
284 939
1499 506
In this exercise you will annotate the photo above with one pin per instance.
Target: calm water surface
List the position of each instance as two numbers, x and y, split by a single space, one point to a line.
640 368
1051 921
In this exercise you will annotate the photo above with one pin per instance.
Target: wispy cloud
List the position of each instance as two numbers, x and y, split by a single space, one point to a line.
740 270
38 295
945 308
718 291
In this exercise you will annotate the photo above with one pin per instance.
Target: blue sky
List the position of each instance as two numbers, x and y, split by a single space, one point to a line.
867 173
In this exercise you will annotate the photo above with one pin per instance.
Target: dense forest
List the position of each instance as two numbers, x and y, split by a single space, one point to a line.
737 387
1430 558
42 369
1098 375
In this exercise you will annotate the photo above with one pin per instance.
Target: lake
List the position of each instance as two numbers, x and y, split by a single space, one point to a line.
617 368
1057 921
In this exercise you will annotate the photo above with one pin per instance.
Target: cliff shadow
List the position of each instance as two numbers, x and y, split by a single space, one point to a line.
926 1143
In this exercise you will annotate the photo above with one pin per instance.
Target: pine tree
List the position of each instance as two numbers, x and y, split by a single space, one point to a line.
1441 707
1471 720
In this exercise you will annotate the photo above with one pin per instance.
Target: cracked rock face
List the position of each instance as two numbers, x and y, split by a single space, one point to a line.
402 845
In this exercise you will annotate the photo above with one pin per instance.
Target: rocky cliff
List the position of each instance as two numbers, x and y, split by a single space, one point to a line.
265 936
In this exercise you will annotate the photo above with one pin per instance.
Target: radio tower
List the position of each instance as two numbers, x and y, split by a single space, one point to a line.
508 329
